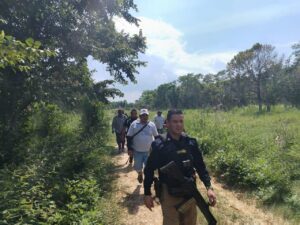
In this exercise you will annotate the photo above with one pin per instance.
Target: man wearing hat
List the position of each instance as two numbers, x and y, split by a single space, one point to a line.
140 135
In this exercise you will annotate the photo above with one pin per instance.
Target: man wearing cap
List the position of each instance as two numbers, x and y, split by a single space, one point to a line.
159 121
118 127
140 135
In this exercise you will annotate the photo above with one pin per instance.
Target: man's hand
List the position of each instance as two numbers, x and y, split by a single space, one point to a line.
211 197
148 200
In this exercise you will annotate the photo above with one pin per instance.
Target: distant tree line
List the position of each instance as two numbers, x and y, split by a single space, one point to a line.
121 104
255 76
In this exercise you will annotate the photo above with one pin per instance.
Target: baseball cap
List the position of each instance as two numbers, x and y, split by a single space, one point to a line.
144 111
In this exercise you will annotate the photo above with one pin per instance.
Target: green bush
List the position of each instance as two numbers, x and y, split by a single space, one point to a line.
65 171
253 151
270 180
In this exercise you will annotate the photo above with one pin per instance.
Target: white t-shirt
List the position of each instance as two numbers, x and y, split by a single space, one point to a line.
142 141
159 122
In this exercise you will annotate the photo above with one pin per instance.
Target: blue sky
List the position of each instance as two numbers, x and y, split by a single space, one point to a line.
201 36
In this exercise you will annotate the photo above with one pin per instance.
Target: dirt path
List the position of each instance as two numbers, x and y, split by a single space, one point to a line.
130 196
232 207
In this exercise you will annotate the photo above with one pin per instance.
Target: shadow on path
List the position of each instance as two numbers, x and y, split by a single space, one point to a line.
132 201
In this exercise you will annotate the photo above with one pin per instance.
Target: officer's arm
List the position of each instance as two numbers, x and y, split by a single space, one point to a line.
151 166
200 165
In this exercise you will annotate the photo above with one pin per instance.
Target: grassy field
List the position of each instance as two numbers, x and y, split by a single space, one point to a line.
258 153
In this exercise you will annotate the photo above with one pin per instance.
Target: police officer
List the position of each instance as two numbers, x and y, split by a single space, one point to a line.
178 147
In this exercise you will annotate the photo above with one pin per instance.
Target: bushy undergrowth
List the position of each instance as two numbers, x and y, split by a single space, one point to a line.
258 152
63 177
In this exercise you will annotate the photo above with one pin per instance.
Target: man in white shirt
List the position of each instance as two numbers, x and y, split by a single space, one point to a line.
140 135
159 121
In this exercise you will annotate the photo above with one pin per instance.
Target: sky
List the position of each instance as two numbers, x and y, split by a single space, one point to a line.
202 36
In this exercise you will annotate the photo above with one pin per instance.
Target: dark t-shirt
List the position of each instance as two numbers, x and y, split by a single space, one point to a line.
128 122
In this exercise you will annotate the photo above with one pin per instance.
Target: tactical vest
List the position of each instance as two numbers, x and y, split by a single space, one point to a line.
180 153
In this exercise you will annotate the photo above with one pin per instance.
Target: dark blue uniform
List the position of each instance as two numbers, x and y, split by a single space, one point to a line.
164 150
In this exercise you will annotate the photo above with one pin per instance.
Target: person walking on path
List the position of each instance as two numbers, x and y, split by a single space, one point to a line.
176 146
118 127
159 121
140 135
127 123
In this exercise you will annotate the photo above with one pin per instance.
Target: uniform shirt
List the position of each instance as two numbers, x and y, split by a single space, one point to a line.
142 141
118 123
159 122
172 151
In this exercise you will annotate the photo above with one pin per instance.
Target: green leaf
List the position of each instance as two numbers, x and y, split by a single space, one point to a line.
37 44
29 42
2 34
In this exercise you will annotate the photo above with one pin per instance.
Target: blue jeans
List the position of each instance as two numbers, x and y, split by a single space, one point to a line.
140 159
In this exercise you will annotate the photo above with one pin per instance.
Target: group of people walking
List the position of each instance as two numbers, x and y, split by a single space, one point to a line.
139 132
151 146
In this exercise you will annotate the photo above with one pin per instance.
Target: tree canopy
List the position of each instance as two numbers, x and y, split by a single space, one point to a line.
254 76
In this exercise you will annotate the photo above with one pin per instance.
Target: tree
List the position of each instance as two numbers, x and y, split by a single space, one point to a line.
289 82
147 99
258 64
74 30
77 29
103 91
166 96
190 90
296 54
16 57
213 92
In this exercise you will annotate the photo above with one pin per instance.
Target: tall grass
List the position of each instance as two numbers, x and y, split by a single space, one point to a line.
257 152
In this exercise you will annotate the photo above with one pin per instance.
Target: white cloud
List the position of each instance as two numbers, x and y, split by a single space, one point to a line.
166 42
168 56
130 96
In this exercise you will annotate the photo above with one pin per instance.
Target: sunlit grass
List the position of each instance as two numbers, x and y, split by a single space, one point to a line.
256 152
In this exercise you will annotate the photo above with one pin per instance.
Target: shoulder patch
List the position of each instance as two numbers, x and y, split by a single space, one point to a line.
192 141
159 142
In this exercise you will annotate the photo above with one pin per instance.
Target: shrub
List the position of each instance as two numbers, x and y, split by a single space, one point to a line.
65 171
256 152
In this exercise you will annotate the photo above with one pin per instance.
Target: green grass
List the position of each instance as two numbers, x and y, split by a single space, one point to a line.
256 152
66 173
